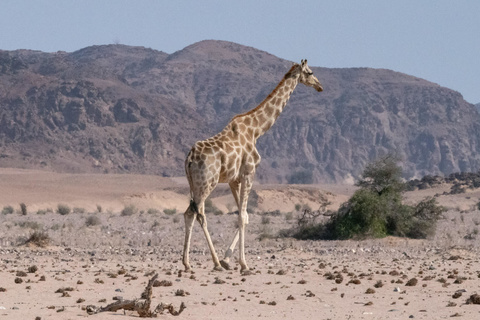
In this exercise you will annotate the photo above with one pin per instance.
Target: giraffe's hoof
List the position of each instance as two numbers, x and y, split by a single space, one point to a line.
218 268
246 272
225 265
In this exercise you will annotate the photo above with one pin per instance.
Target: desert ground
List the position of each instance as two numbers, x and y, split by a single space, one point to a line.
121 230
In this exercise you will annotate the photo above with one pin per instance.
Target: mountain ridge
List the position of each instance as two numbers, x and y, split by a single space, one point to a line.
123 109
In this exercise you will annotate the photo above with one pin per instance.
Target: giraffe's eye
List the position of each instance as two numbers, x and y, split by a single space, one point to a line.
309 73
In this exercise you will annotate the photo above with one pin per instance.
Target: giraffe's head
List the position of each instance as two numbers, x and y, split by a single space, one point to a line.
307 77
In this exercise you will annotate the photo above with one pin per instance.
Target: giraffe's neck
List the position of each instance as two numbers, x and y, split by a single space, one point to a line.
262 118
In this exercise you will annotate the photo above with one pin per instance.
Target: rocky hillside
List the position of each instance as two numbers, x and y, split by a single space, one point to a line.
130 109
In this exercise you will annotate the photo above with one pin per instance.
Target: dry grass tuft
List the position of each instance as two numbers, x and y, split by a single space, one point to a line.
39 239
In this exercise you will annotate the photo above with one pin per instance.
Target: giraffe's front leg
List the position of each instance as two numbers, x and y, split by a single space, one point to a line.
243 218
225 262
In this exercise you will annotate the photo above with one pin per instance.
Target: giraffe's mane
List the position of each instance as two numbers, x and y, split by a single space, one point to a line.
274 92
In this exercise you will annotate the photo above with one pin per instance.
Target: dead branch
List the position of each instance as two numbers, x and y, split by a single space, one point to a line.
142 305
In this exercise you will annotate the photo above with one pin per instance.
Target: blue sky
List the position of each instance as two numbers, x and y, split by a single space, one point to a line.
435 40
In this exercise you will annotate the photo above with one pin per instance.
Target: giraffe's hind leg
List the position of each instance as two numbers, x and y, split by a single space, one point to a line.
190 216
202 219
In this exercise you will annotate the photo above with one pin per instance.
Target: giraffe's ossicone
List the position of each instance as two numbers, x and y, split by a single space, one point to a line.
231 157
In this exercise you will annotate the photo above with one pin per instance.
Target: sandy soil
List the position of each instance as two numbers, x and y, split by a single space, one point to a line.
98 254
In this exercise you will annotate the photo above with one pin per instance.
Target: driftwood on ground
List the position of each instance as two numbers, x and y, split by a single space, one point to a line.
142 305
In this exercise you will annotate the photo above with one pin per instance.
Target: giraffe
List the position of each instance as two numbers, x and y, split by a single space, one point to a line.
232 157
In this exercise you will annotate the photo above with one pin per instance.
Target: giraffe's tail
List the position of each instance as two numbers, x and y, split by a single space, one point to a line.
193 207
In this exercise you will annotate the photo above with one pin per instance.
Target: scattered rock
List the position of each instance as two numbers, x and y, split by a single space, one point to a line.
21 274
473 299
32 269
412 282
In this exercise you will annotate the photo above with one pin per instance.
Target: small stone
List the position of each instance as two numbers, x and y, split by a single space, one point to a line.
32 269
474 299
412 282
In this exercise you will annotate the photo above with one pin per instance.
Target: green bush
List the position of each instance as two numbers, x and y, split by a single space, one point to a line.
63 209
363 215
153 211
170 212
92 221
424 220
7 210
376 210
129 210
78 210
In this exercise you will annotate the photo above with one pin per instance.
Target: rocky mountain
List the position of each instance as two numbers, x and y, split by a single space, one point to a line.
128 109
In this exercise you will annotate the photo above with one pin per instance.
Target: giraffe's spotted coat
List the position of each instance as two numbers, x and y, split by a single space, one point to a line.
231 157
